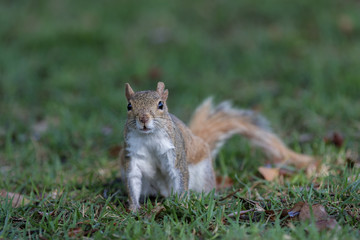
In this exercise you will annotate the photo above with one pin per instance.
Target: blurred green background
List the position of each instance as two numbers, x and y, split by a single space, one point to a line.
63 65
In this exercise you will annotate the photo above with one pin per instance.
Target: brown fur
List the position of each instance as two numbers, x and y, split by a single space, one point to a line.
196 148
213 124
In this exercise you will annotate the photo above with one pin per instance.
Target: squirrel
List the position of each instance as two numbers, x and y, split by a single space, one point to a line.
162 155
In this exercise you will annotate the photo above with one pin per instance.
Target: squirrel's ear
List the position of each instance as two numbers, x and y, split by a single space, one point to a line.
161 91
165 95
128 91
160 88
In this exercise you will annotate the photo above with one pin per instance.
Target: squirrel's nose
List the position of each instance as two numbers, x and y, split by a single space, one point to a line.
144 118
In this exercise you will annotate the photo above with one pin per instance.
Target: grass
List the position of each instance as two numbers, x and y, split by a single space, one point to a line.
63 65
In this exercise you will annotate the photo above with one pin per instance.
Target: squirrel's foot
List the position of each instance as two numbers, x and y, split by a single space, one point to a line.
134 207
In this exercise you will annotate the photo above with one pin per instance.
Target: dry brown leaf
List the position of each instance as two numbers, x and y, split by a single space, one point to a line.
317 212
155 211
223 182
329 223
16 199
335 138
296 209
269 174
75 232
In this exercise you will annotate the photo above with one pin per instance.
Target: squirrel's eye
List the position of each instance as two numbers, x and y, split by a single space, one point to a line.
129 107
161 105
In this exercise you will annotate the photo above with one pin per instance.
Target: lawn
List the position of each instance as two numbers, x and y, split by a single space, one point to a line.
63 66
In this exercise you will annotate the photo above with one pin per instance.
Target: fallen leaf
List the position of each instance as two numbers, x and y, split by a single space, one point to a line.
223 182
329 223
335 138
269 174
75 232
155 211
284 213
317 210
16 199
295 211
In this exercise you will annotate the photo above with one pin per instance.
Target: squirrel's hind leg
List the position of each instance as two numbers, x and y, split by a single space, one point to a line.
202 176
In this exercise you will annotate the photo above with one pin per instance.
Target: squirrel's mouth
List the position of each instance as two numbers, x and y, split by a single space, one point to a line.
145 129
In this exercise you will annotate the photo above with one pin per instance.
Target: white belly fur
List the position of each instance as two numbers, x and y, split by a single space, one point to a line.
146 151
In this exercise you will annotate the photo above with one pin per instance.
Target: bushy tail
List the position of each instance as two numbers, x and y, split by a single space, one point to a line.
216 124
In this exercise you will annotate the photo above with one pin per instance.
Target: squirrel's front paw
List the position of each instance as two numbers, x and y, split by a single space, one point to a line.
134 207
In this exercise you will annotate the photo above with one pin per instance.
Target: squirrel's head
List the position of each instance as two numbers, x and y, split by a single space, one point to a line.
146 108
